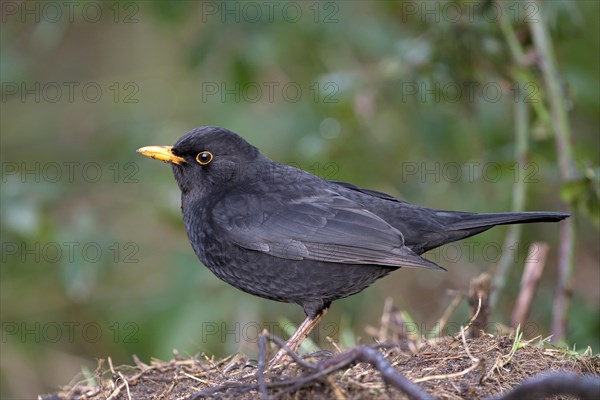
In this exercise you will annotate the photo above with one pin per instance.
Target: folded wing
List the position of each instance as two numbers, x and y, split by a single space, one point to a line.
323 226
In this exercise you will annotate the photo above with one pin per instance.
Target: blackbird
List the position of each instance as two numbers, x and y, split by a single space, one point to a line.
281 233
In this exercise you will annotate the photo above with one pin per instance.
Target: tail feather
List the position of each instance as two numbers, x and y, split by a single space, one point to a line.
460 225
480 222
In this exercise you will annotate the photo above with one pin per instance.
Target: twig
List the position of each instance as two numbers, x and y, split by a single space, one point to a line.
385 320
472 318
388 373
479 293
542 386
291 352
534 266
126 385
110 366
339 393
476 362
333 343
447 313
141 365
322 370
447 376
260 374
501 361
195 378
462 334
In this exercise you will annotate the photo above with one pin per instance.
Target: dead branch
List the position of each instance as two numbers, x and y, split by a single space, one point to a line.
479 300
534 266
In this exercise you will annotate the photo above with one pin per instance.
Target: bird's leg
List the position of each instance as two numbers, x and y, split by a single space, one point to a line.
298 337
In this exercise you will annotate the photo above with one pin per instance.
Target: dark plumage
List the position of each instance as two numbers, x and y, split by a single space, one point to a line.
284 234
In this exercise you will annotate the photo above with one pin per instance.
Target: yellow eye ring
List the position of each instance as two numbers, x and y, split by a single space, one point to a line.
204 157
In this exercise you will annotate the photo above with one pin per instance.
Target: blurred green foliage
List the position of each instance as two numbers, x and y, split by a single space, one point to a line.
387 95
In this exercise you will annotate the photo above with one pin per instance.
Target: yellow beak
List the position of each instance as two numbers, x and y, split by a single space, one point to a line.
162 153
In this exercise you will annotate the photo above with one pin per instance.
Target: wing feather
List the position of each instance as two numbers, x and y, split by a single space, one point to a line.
323 226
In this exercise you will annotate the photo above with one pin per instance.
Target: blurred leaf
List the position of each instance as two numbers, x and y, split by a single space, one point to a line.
584 193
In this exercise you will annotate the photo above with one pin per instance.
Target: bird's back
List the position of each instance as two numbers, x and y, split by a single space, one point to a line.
426 228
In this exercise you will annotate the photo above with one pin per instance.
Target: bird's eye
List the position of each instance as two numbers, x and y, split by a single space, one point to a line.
204 157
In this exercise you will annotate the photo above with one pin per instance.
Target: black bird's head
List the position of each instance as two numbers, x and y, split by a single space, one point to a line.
206 159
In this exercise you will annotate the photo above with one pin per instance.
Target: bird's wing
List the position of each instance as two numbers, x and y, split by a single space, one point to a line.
369 192
323 226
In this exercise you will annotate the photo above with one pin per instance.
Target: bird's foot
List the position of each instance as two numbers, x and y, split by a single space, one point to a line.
293 344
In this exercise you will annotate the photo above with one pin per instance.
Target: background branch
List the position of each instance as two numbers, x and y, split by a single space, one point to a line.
562 130
521 130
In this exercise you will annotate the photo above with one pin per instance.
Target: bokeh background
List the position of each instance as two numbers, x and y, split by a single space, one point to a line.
416 99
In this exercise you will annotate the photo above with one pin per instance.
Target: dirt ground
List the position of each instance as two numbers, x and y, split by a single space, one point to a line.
450 368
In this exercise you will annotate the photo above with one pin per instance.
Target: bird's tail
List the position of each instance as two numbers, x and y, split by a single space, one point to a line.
481 222
455 225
